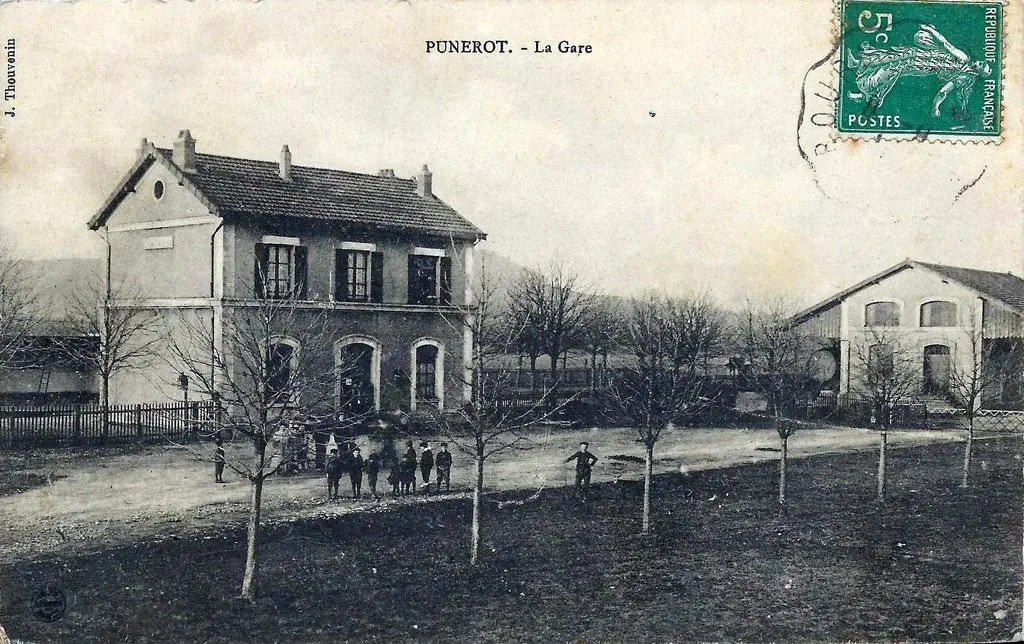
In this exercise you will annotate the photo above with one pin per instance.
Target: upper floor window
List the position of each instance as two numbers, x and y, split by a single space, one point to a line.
358 276
430 280
881 314
280 271
938 314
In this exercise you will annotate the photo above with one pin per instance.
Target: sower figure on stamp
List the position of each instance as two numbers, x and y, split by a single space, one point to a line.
584 462
219 460
444 468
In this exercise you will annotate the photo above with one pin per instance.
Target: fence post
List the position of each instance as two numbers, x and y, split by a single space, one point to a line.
77 427
138 421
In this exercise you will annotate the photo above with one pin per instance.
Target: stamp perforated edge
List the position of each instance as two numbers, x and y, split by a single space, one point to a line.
954 139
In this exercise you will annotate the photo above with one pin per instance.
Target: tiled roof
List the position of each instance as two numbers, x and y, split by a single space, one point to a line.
1006 287
244 187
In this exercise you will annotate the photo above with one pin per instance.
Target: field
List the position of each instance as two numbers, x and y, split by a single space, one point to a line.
934 563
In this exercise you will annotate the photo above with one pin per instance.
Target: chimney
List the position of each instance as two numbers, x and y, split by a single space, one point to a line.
424 181
184 155
143 146
285 166
387 173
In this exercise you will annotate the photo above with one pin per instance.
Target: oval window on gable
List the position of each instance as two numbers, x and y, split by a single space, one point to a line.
938 314
881 314
158 190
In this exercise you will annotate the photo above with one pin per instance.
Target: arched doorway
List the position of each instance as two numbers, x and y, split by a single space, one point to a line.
357 361
936 370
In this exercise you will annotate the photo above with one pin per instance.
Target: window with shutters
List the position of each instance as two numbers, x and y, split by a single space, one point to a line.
280 271
430 280
358 276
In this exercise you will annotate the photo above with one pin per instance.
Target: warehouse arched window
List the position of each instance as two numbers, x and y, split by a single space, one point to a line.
938 313
882 314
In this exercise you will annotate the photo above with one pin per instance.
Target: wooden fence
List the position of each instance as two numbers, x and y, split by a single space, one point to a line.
56 425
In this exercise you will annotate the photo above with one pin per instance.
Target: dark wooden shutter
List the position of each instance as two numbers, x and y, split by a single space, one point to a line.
340 275
259 274
413 283
377 277
301 271
445 286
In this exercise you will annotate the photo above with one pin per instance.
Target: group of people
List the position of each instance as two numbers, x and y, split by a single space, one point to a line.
349 460
403 471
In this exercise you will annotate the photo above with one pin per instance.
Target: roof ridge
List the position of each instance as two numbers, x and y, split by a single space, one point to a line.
168 151
968 268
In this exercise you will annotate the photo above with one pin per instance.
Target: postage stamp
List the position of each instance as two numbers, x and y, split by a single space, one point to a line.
925 69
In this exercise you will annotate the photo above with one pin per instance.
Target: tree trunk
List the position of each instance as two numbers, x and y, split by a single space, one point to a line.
105 408
783 462
882 451
648 472
249 579
967 452
478 488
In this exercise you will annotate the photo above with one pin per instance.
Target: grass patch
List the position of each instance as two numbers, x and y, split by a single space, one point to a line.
18 482
934 563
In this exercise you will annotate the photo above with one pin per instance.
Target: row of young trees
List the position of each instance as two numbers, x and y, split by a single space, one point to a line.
664 344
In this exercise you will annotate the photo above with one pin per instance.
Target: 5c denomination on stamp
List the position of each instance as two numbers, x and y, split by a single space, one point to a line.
921 68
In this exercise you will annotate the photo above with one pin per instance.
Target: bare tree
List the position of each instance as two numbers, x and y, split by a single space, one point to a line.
670 341
19 307
775 356
127 334
988 364
492 421
601 331
554 306
887 373
270 358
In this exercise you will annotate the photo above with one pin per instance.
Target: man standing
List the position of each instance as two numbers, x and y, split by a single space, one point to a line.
333 469
444 468
372 471
584 461
426 465
409 469
218 461
355 473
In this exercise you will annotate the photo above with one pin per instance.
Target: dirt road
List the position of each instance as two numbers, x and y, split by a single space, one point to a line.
163 492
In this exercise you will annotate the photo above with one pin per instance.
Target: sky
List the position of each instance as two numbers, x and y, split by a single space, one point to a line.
665 160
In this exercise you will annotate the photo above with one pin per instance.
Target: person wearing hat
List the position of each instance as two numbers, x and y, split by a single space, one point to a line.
355 473
409 460
584 461
444 468
333 469
426 465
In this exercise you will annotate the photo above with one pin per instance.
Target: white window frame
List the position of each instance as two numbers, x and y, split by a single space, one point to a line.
375 362
438 371
293 363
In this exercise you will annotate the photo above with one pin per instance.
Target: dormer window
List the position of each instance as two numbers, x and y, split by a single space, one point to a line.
430 277
881 314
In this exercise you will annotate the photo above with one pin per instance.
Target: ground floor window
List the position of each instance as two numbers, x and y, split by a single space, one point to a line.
426 373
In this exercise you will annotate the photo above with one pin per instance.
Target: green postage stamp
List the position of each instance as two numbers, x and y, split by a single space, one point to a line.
923 69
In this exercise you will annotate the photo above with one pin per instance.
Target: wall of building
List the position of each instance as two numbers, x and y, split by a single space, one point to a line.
322 243
158 260
909 289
